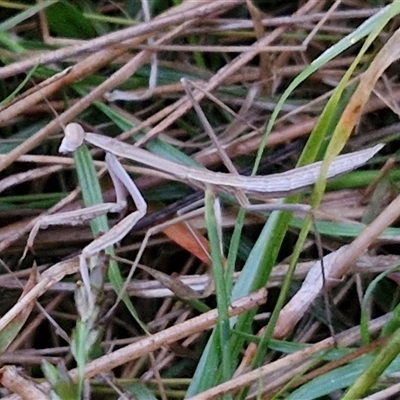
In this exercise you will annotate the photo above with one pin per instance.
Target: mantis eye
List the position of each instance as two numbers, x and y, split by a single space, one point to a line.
73 138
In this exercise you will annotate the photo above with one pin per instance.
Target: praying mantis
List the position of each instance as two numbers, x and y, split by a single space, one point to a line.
269 186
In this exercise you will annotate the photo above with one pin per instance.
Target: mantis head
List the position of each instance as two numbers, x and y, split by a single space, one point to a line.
73 138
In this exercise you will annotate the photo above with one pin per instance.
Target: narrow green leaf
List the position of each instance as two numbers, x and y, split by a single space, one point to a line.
24 15
223 328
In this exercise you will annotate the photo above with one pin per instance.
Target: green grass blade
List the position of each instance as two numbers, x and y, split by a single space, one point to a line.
24 15
381 18
224 332
375 368
392 324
